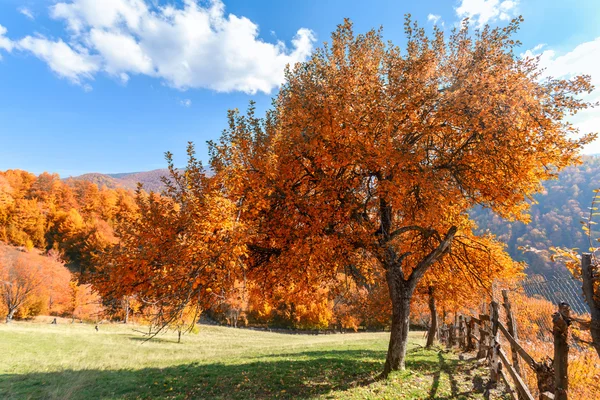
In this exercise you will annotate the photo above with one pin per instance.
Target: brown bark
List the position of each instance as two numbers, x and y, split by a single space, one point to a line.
10 315
561 322
434 320
400 289
400 294
588 291
126 301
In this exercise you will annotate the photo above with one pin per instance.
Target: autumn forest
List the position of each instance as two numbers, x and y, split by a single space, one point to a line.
386 189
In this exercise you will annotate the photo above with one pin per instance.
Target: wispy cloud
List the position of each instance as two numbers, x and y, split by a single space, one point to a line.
434 18
186 103
5 43
27 12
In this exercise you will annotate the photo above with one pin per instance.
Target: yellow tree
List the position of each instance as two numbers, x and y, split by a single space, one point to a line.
382 151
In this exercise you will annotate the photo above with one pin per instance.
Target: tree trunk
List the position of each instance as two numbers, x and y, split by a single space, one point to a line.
400 294
10 315
434 322
126 310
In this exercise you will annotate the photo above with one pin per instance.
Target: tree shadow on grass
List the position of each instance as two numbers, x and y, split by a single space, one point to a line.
302 375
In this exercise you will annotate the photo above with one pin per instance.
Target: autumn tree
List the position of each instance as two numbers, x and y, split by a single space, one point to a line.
177 252
19 279
376 150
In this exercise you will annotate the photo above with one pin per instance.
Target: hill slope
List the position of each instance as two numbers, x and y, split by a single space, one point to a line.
554 218
150 179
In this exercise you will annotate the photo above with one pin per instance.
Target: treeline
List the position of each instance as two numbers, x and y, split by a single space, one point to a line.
60 236
555 219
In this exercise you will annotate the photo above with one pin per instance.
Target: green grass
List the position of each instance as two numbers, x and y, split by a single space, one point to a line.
42 361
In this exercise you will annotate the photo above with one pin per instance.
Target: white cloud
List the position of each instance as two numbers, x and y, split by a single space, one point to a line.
582 60
434 18
74 64
483 12
81 14
120 52
195 45
186 103
26 12
5 43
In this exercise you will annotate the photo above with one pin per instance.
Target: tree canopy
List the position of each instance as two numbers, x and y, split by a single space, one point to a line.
380 152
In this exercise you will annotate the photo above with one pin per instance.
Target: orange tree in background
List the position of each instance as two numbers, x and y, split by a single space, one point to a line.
380 151
31 284
176 252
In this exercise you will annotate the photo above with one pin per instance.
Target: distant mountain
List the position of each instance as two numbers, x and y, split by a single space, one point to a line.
129 180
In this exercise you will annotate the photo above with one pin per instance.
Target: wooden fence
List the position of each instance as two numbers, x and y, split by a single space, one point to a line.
484 334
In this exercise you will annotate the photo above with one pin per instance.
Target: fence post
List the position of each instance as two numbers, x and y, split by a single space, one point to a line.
588 292
495 363
512 329
461 331
456 329
470 325
482 351
451 332
544 372
561 321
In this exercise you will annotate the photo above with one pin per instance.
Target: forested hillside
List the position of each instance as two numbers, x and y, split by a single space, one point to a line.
75 217
555 219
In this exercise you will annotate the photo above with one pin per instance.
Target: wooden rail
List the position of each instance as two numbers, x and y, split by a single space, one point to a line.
552 381
526 357
521 386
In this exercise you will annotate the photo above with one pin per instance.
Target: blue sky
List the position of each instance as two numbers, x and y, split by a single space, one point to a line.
109 86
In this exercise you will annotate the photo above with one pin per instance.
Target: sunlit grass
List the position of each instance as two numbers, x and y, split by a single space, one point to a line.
73 361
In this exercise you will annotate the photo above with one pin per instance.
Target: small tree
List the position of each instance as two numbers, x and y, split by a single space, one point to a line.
20 278
176 251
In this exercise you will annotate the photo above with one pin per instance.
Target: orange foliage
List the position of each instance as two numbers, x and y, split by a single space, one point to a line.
32 284
377 151
178 251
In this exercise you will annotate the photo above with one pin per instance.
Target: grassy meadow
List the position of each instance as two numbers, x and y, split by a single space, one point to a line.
73 361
